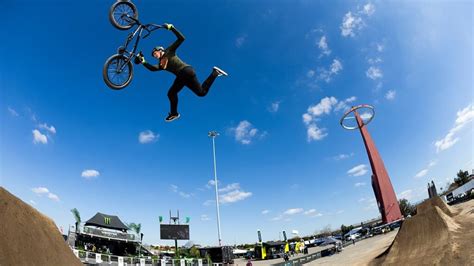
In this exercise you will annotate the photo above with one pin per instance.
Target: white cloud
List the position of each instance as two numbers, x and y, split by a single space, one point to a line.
209 202
230 187
407 194
315 133
359 184
45 126
464 117
423 172
365 116
90 174
312 213
229 194
204 217
240 40
210 184
351 23
40 191
374 61
147 136
277 218
390 95
324 107
13 112
310 73
358 170
53 196
380 47
342 156
369 9
336 66
293 211
32 202
39 138
234 196
175 189
323 45
334 69
245 132
274 107
343 105
184 194
374 73
264 212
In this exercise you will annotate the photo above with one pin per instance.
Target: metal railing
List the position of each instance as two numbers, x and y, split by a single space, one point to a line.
105 259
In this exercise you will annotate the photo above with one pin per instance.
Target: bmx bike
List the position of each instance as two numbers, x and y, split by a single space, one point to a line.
118 69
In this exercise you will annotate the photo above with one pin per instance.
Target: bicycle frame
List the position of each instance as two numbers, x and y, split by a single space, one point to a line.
139 30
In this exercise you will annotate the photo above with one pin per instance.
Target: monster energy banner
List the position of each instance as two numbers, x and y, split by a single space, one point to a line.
174 231
106 221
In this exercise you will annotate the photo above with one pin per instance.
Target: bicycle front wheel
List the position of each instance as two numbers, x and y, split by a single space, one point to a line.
118 13
117 71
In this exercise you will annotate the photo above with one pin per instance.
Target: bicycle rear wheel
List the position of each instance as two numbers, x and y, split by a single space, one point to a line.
117 71
118 12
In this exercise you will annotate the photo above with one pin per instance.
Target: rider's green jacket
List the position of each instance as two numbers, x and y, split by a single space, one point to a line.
170 61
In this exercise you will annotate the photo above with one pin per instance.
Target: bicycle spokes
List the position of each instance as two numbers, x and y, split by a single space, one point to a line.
118 71
122 13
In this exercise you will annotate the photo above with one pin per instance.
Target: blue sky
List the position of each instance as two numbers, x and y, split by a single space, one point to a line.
284 162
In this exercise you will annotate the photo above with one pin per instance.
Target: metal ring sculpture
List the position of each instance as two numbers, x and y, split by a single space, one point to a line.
354 108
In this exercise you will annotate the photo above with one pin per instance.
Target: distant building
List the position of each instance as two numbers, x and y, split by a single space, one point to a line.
105 234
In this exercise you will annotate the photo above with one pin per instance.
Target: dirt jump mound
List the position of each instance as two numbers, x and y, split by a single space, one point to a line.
27 237
432 237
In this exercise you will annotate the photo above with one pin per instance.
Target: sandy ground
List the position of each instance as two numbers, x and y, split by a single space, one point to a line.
437 235
27 237
361 253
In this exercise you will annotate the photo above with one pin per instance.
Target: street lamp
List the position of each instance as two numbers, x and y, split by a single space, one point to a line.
213 135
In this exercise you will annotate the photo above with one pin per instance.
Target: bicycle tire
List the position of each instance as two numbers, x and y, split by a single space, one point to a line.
118 23
108 70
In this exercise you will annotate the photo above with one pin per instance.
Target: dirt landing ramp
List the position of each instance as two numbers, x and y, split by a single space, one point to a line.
437 235
29 238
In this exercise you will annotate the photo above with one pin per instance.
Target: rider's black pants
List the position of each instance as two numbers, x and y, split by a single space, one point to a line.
187 77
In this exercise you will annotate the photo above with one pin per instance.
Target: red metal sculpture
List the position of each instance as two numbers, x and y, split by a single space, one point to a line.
383 189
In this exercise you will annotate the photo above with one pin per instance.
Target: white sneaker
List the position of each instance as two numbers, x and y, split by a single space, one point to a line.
220 72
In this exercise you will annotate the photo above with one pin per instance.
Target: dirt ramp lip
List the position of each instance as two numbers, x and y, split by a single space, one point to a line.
424 239
28 237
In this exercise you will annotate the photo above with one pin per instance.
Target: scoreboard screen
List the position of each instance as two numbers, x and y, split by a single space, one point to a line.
174 231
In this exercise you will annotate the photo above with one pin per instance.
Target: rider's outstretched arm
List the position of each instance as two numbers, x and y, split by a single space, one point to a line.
151 67
178 42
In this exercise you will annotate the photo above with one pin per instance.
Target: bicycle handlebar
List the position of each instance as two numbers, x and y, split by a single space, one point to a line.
150 27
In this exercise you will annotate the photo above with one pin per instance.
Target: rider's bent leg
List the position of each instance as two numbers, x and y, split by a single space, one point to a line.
193 83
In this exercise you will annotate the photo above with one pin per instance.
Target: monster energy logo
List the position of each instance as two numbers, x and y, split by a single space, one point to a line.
107 220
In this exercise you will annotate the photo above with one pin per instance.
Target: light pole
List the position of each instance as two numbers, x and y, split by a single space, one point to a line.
213 135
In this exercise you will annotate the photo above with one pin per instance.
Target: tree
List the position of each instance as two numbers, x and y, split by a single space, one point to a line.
326 231
77 217
463 177
194 252
406 208
346 229
135 227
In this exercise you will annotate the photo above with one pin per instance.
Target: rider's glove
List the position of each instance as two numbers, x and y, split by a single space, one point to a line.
139 59
168 26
